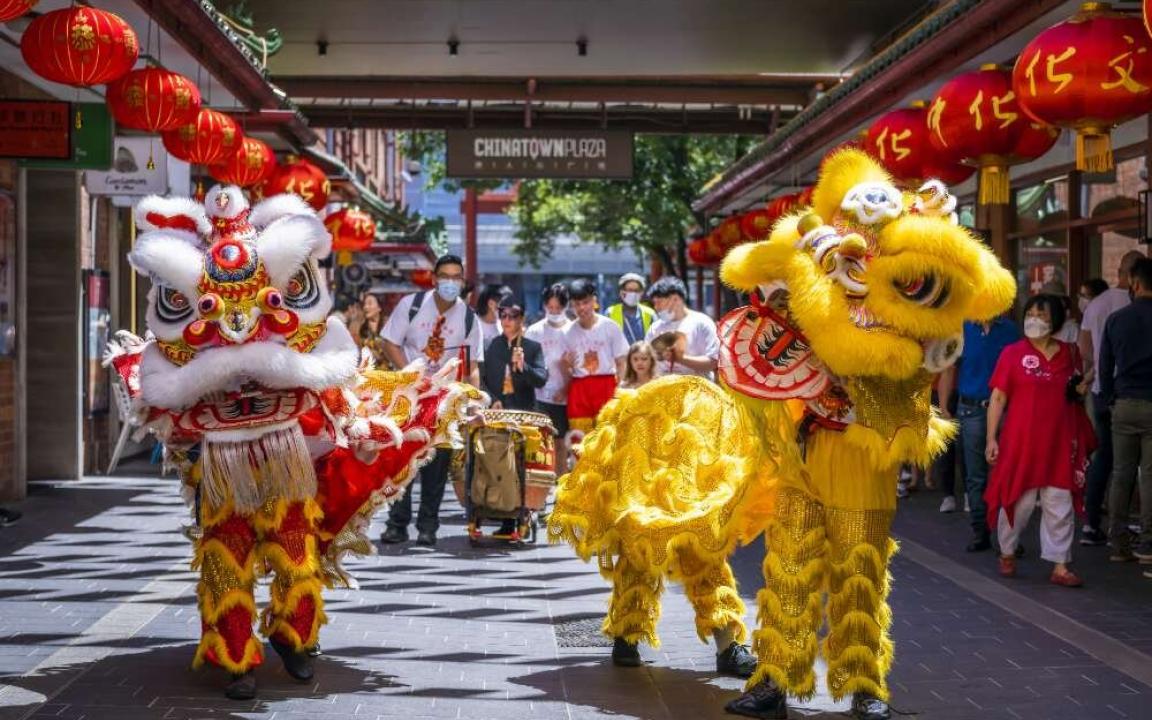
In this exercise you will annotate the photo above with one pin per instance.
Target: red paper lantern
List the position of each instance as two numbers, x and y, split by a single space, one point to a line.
949 173
756 225
1036 140
352 230
899 140
698 252
423 278
153 99
79 46
12 9
729 234
212 138
303 178
1089 73
250 165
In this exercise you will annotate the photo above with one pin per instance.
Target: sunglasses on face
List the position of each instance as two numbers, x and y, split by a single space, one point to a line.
510 314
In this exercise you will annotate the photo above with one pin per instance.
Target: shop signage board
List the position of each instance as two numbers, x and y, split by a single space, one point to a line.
91 143
35 129
527 153
130 173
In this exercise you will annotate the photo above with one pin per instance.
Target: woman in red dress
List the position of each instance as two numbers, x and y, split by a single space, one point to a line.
1044 444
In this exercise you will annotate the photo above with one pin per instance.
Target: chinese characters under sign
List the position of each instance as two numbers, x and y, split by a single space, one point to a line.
31 129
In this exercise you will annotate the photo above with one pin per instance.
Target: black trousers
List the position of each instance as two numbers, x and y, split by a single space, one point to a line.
944 467
1100 467
433 477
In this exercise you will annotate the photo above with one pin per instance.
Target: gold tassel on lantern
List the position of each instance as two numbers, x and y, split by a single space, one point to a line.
994 184
1094 150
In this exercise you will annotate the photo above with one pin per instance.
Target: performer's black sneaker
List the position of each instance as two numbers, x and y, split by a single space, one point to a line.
626 654
298 663
426 537
314 651
242 686
765 700
869 707
394 535
736 660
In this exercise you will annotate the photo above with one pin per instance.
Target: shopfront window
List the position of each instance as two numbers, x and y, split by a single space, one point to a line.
1042 213
1114 208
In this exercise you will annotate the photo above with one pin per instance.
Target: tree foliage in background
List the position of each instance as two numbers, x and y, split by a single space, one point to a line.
651 213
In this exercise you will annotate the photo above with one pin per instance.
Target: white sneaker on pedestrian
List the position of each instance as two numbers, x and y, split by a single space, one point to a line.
948 505
967 505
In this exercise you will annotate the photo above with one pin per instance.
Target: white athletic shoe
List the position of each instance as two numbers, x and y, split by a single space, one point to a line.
948 505
967 505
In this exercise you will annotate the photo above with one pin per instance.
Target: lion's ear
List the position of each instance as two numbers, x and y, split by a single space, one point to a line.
996 288
839 173
746 267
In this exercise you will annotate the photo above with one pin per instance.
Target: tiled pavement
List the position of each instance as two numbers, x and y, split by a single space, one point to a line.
98 620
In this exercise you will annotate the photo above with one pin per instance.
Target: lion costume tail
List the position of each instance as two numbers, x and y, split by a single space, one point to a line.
678 464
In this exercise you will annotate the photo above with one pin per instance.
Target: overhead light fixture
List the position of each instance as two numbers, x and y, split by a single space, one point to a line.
582 46
453 46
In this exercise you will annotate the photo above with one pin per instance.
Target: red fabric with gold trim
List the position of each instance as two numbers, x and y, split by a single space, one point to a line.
764 356
12 9
247 409
345 484
153 99
80 46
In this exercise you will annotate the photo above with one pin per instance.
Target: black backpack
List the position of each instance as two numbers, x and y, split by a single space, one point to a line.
469 314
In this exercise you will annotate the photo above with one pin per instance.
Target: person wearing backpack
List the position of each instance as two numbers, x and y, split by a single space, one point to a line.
433 326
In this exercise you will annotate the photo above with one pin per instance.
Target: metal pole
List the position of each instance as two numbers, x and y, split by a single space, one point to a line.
471 273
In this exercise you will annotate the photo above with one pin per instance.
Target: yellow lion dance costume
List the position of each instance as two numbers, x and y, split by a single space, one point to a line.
826 379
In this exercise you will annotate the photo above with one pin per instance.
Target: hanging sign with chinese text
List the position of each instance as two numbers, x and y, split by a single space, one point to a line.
34 129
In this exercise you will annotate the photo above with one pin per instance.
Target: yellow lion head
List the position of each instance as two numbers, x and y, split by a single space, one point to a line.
878 280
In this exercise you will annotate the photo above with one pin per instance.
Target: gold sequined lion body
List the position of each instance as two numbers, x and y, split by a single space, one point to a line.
825 384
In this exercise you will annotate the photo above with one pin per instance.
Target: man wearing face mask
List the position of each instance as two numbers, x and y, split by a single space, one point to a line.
686 339
1126 384
632 317
1096 314
435 327
552 399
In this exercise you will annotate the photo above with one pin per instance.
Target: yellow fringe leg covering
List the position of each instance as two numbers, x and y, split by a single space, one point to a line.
296 610
790 604
225 557
711 588
858 648
634 607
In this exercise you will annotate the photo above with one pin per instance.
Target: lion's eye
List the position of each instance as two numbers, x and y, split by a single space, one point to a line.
172 306
928 289
301 291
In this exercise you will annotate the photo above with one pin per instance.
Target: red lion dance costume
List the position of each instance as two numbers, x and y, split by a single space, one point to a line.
286 445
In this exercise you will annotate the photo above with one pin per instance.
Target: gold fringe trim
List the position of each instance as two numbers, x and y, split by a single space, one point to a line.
212 607
995 185
211 640
1094 150
275 618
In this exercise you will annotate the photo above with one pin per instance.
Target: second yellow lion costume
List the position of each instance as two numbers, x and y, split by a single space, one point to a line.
826 378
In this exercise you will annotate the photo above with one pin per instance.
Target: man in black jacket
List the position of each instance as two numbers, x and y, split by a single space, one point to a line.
513 366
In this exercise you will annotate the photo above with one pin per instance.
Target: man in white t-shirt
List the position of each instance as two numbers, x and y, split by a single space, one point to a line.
433 326
1091 336
552 399
685 340
594 357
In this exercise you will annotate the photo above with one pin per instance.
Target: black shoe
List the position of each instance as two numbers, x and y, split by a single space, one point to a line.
765 700
867 707
298 663
314 651
1143 552
426 537
736 660
1093 537
625 654
979 543
394 535
1019 552
9 517
241 687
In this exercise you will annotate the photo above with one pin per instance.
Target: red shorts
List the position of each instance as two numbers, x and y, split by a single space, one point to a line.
588 395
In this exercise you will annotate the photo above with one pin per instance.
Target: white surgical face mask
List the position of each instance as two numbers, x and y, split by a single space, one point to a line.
631 299
556 318
1035 327
1084 304
448 290
665 315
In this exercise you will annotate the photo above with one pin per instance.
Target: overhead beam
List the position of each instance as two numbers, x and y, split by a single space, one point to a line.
740 90
646 120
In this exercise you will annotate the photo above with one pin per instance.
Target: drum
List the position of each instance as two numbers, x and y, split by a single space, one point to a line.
539 452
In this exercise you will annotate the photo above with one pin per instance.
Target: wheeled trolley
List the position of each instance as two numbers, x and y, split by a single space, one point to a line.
506 474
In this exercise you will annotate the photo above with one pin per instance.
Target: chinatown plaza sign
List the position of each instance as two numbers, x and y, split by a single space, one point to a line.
591 154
